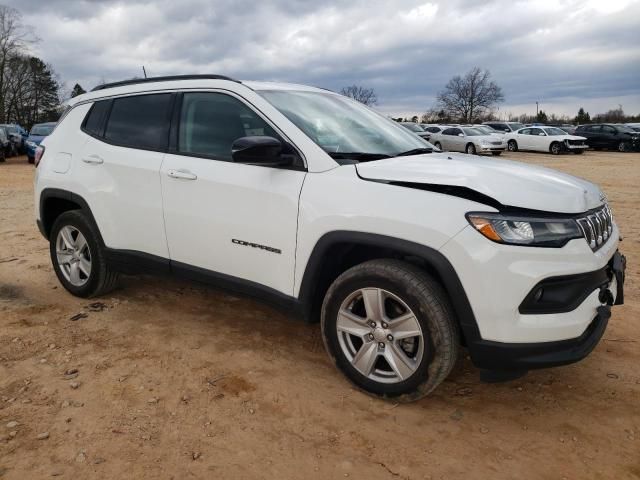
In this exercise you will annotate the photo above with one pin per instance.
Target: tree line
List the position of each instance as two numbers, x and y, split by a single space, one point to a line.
29 87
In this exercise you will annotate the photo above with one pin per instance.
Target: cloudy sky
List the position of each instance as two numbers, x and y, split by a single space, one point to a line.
564 54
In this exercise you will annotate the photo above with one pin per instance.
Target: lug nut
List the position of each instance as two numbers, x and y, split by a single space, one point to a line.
384 325
390 338
381 345
371 336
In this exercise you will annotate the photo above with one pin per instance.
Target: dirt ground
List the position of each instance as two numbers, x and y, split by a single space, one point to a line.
176 381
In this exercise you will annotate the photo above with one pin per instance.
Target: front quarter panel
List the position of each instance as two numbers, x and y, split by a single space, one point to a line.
338 200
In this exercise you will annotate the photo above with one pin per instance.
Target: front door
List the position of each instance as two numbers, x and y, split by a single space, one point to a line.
232 219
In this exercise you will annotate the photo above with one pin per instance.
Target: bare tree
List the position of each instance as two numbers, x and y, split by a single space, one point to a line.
14 38
470 96
361 94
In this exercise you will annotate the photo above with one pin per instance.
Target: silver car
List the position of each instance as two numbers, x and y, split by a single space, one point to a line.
469 140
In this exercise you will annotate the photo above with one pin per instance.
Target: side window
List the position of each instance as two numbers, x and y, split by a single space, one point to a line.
448 131
94 121
456 131
536 131
211 122
525 131
608 129
140 121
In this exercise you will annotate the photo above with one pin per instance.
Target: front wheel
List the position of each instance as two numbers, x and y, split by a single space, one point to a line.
556 148
438 145
31 159
496 154
578 151
389 327
512 146
471 149
78 257
622 147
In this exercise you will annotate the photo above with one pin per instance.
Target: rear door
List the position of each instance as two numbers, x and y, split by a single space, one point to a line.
227 220
119 169
609 137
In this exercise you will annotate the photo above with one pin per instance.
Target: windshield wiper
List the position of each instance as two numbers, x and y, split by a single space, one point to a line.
415 151
361 156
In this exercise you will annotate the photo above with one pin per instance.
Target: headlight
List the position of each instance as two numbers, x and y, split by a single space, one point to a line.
31 144
525 230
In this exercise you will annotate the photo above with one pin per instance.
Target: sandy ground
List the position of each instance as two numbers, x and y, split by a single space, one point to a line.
177 380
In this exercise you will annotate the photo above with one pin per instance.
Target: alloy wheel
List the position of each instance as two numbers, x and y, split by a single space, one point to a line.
73 255
380 335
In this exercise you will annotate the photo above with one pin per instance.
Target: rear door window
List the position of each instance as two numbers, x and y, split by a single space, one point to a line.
140 121
94 122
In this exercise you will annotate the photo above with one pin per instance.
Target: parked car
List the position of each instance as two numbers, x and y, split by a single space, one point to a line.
431 129
634 126
416 128
468 140
505 127
487 130
545 139
18 136
5 144
610 136
38 132
402 254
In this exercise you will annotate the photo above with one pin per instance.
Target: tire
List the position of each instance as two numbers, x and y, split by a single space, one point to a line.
578 151
430 356
496 154
622 147
555 148
100 278
512 146
438 146
470 149
31 160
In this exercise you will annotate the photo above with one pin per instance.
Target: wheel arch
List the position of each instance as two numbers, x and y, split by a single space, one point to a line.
338 251
54 202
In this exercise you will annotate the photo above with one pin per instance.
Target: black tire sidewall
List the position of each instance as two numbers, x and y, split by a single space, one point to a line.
471 149
421 309
78 220
512 146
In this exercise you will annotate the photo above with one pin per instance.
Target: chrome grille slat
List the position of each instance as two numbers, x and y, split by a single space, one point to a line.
597 227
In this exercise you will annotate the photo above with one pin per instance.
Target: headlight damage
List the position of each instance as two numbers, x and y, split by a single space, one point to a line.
524 230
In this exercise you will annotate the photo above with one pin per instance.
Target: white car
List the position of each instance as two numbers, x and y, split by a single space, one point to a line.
336 214
469 140
545 139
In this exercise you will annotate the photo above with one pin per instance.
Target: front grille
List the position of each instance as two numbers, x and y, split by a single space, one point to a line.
496 143
575 142
597 227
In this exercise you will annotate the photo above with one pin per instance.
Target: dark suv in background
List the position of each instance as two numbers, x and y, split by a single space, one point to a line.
610 136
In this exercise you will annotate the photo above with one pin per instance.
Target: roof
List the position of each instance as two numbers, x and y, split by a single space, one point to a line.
181 81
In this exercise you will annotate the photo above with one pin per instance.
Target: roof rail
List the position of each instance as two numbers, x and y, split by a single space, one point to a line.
163 79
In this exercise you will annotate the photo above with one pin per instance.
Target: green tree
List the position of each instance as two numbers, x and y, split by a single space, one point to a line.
77 90
541 117
582 117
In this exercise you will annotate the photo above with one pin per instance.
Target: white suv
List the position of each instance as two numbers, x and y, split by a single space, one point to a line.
305 198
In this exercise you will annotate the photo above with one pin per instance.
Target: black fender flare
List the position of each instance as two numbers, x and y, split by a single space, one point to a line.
49 193
432 257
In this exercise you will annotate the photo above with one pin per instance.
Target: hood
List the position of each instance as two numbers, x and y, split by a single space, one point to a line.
572 137
486 138
510 183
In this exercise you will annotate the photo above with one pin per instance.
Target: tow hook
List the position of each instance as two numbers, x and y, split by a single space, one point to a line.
606 297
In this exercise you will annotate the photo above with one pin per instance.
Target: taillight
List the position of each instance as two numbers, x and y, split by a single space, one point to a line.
38 155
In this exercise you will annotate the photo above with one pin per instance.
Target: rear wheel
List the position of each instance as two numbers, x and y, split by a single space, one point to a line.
438 145
555 148
471 149
31 159
512 146
496 154
390 329
578 151
78 257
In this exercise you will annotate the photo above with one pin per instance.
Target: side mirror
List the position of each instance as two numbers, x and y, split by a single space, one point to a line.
541 134
259 150
461 134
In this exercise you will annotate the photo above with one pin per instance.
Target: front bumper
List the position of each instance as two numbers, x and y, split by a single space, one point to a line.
498 356
490 148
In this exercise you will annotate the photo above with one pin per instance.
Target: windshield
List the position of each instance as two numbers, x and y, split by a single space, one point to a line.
516 126
624 128
341 126
472 132
484 129
555 131
42 130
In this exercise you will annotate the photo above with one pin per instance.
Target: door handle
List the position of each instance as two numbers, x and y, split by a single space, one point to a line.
93 159
182 174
